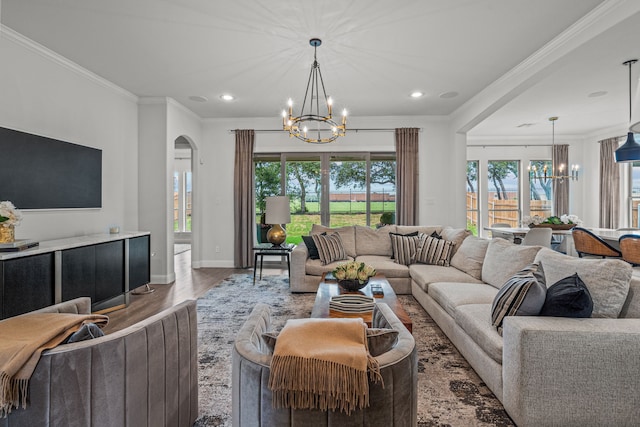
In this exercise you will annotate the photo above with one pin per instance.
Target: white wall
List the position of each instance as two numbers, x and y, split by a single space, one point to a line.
47 95
439 161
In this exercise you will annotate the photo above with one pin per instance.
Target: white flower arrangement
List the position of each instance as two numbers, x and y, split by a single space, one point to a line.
354 270
564 219
9 215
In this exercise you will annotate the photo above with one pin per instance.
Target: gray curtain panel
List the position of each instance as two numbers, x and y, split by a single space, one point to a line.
560 156
609 184
244 226
407 176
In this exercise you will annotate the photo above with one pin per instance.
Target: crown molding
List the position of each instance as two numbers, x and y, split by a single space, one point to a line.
17 38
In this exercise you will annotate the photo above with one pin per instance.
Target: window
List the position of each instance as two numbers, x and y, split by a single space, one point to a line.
541 189
634 195
328 188
503 203
473 193
182 201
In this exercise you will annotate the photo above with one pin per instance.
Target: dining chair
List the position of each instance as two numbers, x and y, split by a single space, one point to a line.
501 235
540 236
587 243
630 248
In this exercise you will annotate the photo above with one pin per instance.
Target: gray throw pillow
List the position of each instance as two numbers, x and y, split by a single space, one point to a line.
504 259
522 295
470 256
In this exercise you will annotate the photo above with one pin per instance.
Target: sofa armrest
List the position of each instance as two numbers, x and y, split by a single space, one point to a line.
564 371
80 305
297 271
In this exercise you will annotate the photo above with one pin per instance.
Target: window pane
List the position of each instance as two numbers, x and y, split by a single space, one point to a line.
472 197
347 192
176 201
303 189
383 190
503 189
187 202
267 183
541 188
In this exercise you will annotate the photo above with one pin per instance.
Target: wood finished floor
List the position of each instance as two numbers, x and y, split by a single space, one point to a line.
189 284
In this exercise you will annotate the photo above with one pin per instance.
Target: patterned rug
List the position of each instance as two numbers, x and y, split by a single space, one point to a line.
449 391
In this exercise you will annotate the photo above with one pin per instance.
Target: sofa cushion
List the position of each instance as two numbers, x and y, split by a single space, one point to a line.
606 279
475 320
347 234
315 267
385 265
374 242
470 256
406 229
329 247
524 294
404 247
312 249
436 251
451 295
455 235
504 259
423 275
568 297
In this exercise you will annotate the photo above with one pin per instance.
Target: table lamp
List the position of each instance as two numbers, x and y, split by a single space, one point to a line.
277 213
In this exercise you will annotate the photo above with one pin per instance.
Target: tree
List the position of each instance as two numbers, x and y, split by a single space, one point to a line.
472 176
352 174
304 174
267 182
537 167
498 171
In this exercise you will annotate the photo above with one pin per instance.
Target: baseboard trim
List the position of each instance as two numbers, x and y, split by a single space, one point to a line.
163 279
213 264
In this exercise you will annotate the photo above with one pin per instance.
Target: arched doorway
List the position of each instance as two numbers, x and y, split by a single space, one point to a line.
184 200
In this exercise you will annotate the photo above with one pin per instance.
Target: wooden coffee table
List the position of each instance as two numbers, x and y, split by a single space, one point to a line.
329 288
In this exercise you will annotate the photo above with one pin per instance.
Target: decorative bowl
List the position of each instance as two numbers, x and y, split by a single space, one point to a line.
352 285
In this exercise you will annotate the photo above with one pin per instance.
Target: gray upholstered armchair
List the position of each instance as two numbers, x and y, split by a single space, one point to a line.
144 375
393 405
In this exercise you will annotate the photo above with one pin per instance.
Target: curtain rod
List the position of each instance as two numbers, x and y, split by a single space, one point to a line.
348 130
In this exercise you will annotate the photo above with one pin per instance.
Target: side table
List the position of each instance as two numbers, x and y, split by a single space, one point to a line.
262 249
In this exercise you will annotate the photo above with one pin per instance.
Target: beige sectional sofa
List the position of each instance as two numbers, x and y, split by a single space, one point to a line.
547 371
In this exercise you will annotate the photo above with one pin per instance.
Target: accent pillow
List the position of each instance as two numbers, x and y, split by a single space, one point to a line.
393 248
435 251
569 297
379 340
455 235
311 247
347 235
470 256
504 259
522 295
330 247
404 247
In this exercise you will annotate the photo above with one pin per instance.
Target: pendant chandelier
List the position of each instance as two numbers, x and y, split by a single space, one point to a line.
630 150
315 123
558 172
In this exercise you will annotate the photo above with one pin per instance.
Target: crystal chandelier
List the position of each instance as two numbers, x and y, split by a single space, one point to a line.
558 173
314 125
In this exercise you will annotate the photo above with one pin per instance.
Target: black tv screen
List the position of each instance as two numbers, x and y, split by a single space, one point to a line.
43 173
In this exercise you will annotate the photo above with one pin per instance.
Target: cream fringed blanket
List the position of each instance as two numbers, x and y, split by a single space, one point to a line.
22 340
322 364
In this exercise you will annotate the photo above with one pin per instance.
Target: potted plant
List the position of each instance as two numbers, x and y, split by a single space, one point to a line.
387 218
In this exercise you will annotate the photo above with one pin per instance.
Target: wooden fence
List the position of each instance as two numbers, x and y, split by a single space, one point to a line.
504 211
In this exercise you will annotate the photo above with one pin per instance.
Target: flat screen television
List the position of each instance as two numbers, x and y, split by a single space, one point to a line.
44 173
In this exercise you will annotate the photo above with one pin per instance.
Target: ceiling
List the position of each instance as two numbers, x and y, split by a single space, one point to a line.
374 54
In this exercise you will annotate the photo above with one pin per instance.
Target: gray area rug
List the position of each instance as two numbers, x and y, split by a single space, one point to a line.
449 391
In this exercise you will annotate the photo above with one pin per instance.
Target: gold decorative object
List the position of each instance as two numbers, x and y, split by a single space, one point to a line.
276 235
7 234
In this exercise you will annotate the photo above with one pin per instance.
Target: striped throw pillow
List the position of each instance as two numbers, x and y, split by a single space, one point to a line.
522 295
330 248
434 251
404 247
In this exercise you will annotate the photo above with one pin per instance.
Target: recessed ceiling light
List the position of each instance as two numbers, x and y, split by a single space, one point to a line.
597 94
198 98
417 94
447 95
227 97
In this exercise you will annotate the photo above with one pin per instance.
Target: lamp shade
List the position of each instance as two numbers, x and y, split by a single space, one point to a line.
277 210
629 151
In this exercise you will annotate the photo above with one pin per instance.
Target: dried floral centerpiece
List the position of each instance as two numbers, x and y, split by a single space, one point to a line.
10 216
353 275
564 222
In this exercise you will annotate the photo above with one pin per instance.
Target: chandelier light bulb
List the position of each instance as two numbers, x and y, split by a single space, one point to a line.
290 102
284 113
